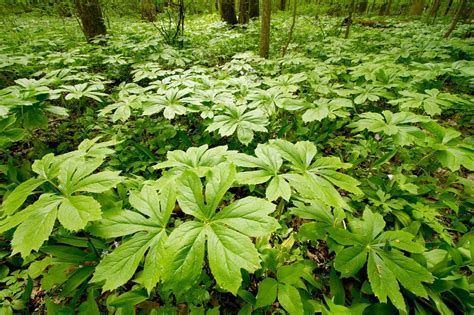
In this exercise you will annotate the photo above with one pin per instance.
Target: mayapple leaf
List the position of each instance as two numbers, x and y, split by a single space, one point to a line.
397 125
342 180
121 224
248 216
18 196
184 256
237 119
189 196
455 156
73 170
36 228
47 167
117 268
198 159
387 267
268 162
300 155
278 187
350 260
228 252
146 201
153 261
98 183
408 272
149 228
253 177
317 113
227 232
76 211
384 282
450 150
220 180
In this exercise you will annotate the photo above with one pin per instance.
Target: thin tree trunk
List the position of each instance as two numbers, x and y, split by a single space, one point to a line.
434 11
417 7
362 6
180 26
466 12
383 8
254 9
455 19
265 29
92 21
435 8
388 8
349 20
290 34
244 11
282 5
372 7
148 10
448 7
227 8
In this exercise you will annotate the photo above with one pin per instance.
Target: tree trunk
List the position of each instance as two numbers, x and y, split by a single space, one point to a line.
227 8
282 5
434 11
388 8
435 8
383 8
265 29
455 19
254 9
362 6
290 34
466 12
349 20
92 21
244 11
148 10
372 7
417 7
448 7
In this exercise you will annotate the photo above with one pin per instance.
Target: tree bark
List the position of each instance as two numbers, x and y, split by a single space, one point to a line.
388 8
372 7
227 8
383 8
92 21
290 34
434 11
148 10
417 7
282 5
254 9
244 11
265 29
349 20
435 8
466 12
455 20
448 7
362 6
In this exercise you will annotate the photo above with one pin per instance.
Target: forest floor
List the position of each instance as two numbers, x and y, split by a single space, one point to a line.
144 175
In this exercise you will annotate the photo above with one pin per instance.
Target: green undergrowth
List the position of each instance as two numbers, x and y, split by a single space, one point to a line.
141 177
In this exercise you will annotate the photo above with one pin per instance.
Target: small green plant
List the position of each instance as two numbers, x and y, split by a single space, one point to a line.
64 177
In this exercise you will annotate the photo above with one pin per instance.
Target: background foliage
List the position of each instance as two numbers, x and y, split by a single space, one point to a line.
146 176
